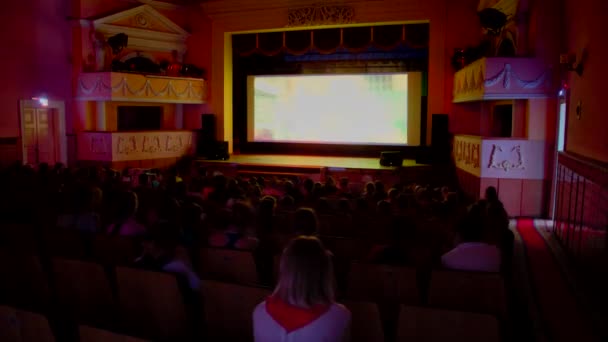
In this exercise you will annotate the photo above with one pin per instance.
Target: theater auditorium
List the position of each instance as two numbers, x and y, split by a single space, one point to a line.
303 170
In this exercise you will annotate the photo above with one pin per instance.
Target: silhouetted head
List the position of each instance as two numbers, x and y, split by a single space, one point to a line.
491 194
305 222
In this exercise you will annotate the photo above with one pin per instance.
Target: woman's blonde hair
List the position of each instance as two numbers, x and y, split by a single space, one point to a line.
306 273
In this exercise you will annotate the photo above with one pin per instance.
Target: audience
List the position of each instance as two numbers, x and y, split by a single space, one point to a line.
183 210
160 253
80 215
239 232
124 220
302 306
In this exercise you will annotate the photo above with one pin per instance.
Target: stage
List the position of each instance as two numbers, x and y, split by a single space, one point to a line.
317 167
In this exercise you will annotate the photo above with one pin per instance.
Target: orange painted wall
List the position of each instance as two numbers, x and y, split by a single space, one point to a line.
35 55
586 29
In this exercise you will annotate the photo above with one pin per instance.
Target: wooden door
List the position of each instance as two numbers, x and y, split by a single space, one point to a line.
39 136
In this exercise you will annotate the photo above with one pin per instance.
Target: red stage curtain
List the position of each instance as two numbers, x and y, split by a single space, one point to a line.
270 43
388 37
326 41
244 44
357 39
298 42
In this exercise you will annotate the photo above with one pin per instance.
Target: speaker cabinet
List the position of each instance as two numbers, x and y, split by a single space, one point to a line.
440 138
208 128
391 158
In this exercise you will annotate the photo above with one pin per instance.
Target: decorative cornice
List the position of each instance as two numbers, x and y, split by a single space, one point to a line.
161 4
142 35
320 14
502 78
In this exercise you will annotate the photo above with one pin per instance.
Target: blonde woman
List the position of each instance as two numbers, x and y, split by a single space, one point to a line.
302 307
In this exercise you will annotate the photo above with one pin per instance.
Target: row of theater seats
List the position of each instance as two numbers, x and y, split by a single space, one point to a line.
150 304
24 326
228 314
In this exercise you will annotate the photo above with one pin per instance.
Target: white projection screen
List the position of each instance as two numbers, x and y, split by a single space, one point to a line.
361 109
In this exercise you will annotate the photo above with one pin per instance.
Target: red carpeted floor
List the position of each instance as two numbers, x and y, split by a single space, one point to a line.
560 314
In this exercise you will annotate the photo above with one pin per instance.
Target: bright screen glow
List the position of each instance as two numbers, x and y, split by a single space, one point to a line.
368 109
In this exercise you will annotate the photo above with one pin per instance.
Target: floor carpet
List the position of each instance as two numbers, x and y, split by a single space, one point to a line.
562 318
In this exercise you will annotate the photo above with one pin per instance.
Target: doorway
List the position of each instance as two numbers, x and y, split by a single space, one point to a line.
560 145
502 121
43 132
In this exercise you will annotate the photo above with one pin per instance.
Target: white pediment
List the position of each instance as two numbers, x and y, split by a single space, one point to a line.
148 30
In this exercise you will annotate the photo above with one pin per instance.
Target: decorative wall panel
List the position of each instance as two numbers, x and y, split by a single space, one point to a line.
125 146
114 86
503 78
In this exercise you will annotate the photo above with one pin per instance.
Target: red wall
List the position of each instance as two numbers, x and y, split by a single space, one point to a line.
463 30
35 55
199 54
585 25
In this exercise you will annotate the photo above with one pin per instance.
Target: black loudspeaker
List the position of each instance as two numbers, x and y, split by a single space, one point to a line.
208 128
440 138
213 150
391 158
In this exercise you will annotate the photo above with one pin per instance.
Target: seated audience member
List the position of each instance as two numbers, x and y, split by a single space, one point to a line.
368 193
384 209
344 207
292 191
344 188
471 254
396 251
380 193
393 193
160 254
124 221
323 206
287 203
307 189
82 218
330 186
302 306
305 222
239 232
267 247
497 226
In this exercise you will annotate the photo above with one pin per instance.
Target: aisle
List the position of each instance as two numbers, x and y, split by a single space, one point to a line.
560 314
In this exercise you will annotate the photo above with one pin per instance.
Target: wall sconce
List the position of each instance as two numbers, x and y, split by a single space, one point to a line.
573 63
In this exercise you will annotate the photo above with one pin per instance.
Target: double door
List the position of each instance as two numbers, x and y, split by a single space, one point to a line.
39 130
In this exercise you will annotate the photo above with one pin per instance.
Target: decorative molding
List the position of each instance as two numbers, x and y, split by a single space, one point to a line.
502 78
148 30
125 146
320 14
467 154
506 164
500 157
161 4
113 86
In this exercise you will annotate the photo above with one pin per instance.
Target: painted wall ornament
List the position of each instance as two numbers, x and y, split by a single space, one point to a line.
320 14
506 164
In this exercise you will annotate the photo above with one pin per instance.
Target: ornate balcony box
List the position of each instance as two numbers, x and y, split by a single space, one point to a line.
500 78
116 86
